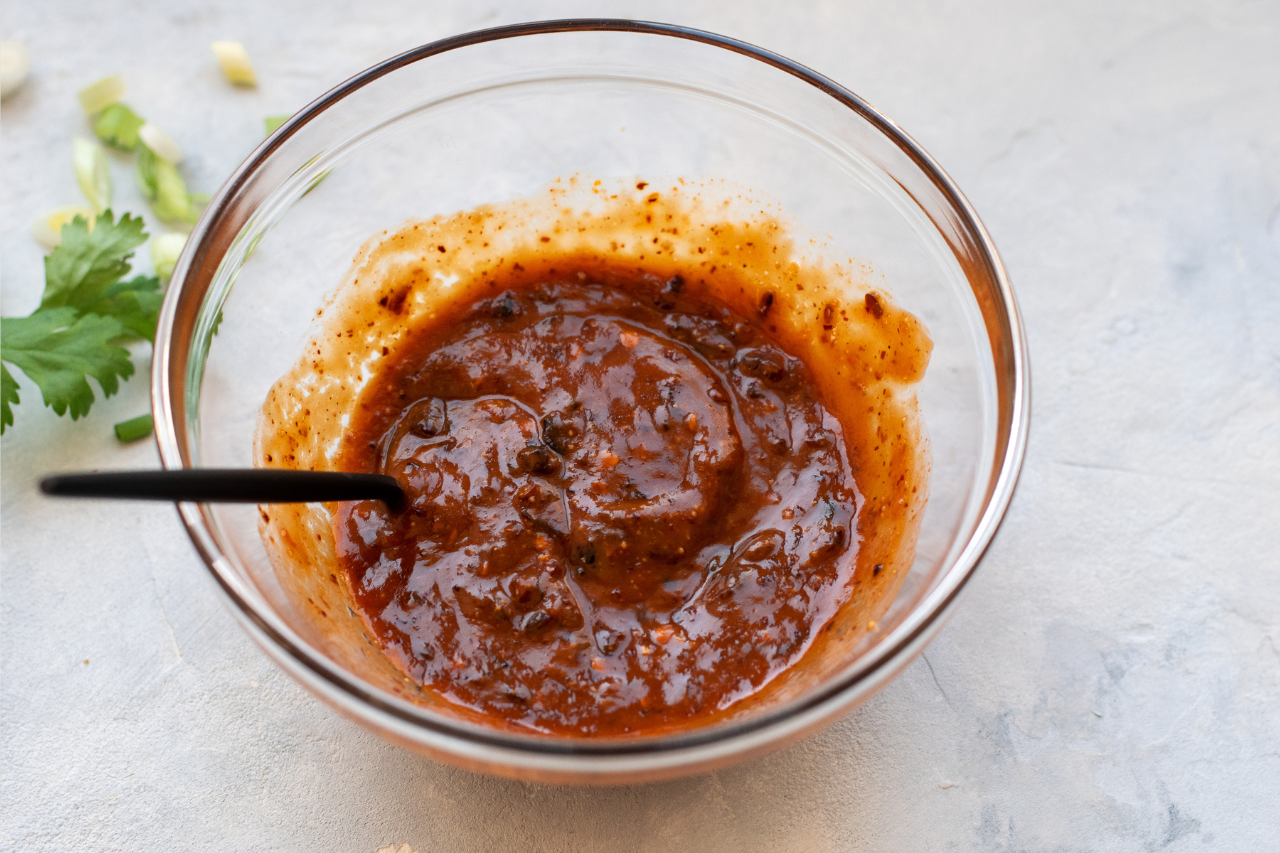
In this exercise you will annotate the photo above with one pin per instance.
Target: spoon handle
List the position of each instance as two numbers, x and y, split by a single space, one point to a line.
227 485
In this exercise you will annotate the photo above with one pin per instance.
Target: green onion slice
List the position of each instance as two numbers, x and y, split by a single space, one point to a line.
96 97
118 126
92 173
165 249
235 62
135 428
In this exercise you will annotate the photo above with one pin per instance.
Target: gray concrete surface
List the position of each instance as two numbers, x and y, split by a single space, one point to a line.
1112 680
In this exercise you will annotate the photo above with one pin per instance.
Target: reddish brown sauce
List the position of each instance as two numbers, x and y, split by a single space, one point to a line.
664 466
628 506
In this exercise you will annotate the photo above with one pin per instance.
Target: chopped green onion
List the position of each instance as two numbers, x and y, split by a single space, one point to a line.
92 173
272 123
15 64
173 202
47 229
165 249
118 127
147 161
135 428
235 62
96 97
164 188
158 140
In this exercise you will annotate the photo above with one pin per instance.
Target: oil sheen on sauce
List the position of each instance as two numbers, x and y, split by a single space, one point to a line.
648 481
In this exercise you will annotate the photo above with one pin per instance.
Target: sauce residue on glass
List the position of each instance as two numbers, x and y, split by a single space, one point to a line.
661 464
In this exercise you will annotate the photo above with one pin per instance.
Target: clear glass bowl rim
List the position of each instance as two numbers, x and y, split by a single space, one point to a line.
183 303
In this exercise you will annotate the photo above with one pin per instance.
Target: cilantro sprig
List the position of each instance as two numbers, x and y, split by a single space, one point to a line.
87 262
87 312
57 349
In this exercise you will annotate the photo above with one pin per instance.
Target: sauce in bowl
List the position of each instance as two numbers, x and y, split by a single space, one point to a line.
646 483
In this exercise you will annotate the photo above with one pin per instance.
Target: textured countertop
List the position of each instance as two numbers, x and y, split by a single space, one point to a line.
1111 680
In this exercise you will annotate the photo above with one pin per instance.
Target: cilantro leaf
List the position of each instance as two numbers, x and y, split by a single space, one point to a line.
118 127
135 303
58 351
86 263
86 310
8 397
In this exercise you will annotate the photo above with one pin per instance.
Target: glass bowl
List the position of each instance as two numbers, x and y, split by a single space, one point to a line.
490 115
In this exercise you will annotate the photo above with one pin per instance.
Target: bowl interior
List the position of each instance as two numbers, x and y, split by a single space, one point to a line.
434 133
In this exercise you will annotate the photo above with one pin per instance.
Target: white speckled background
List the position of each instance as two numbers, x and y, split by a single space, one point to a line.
1112 679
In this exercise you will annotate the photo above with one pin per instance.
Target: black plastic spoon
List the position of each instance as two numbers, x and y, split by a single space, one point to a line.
228 485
